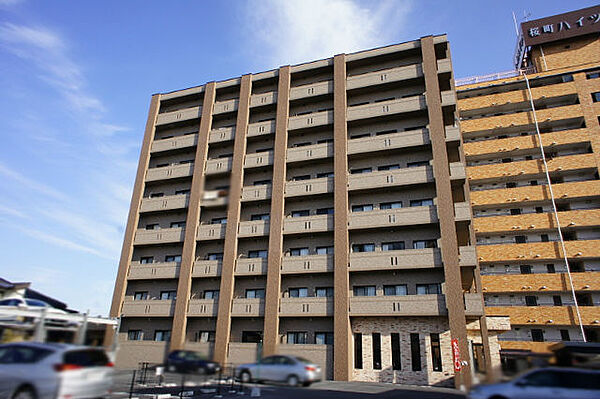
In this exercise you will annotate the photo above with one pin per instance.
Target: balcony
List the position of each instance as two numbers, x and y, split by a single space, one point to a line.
174 143
390 178
258 159
474 304
309 187
261 128
307 264
448 98
208 232
384 76
254 228
166 203
309 152
206 268
250 266
310 120
218 165
537 221
467 256
306 307
248 307
457 171
392 217
541 282
308 224
395 260
170 172
223 107
158 236
546 315
203 308
444 65
221 135
541 251
214 198
311 90
413 138
256 193
138 271
452 133
405 305
384 108
462 211
148 308
259 100
179 116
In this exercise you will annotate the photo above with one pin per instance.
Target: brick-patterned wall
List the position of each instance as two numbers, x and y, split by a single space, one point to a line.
536 221
541 315
589 281
538 251
581 51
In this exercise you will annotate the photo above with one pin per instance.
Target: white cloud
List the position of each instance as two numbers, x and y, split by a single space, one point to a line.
5 3
60 242
30 184
294 31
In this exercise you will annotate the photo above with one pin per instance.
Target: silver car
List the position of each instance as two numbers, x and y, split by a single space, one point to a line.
546 383
30 370
293 370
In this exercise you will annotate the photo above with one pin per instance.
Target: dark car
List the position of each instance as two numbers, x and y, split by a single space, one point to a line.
190 362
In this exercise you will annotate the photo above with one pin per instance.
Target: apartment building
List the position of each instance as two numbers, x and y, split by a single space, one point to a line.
523 260
320 210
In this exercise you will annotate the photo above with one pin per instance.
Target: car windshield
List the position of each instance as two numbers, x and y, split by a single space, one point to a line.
16 354
33 302
86 358
192 356
9 302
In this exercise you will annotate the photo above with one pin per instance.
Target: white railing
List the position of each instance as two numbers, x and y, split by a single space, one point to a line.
494 76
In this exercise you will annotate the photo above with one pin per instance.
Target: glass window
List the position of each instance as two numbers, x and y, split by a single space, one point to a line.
156 195
593 75
324 250
173 258
255 293
422 202
436 352
564 335
297 337
537 335
298 292
181 192
36 303
252 336
146 259
324 292
211 294
324 174
396 354
261 182
361 170
260 253
417 164
260 216
429 289
362 208
389 167
152 226
301 213
222 220
520 239
134 335
363 247
376 339
301 177
422 244
298 251
392 246
358 355
415 351
364 290
164 295
215 256
390 205
205 336
140 296
324 338
180 225
325 211
395 289
162 335
525 269
531 300
596 97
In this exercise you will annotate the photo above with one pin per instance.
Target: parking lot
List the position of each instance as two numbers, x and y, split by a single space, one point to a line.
199 386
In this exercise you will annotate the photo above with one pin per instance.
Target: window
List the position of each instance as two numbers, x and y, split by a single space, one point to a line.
173 258
417 164
537 335
255 293
361 135
511 185
261 182
152 226
215 256
156 195
140 296
259 253
567 78
395 290
146 260
530 300
222 220
298 292
301 213
299 251
550 268
325 250
383 132
162 165
252 336
564 335
515 211
525 269
324 211
545 238
388 167
358 355
390 205
533 183
135 335
362 208
376 351
593 75
321 141
392 246
301 177
226 155
436 352
360 170
539 209
363 247
422 244
182 192
396 354
324 292
520 239
180 225
324 338
165 295
596 97
324 174
364 290
429 289
260 216
506 160
415 351
204 336
162 335
557 300
211 294
422 202
297 337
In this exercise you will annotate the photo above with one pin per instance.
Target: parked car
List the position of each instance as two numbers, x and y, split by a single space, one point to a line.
30 304
31 370
292 370
546 383
190 362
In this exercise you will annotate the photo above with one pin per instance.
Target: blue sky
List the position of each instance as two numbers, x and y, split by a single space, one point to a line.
76 79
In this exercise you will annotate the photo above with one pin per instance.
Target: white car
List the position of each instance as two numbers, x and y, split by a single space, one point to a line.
546 383
29 304
31 370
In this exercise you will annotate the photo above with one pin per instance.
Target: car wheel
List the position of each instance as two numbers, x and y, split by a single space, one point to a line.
245 377
292 380
24 393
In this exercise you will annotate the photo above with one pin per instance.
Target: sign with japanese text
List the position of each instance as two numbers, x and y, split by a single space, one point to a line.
562 26
456 355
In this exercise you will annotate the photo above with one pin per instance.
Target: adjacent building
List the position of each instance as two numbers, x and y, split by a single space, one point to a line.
319 209
525 261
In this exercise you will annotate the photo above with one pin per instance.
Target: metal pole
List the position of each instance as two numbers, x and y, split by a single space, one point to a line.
131 385
558 228
82 330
